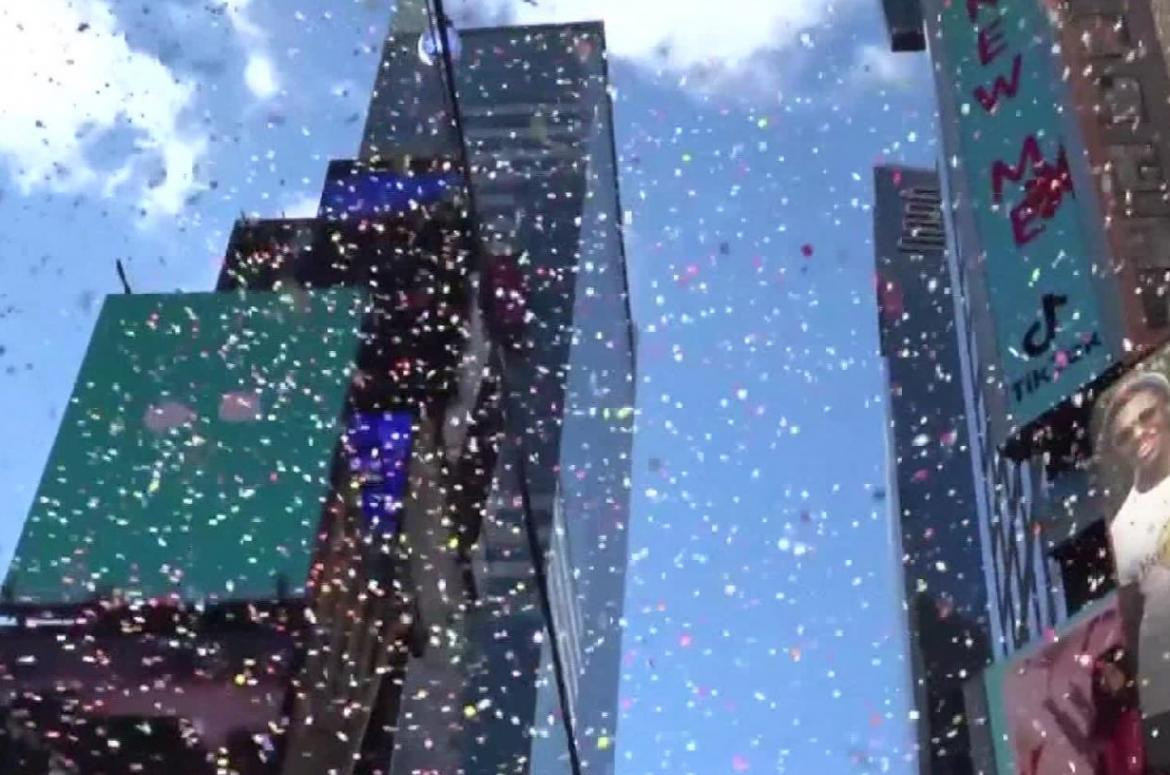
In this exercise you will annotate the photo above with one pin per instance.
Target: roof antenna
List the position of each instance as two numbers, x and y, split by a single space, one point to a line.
122 276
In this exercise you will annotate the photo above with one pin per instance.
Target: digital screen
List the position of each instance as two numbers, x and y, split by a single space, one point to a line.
353 191
1131 435
1017 181
194 455
378 447
1070 705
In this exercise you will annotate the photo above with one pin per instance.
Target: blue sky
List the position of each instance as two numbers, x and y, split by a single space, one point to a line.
762 624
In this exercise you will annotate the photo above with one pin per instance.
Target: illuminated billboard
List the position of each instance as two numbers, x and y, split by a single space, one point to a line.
1070 704
1131 434
357 190
195 453
1032 244
377 446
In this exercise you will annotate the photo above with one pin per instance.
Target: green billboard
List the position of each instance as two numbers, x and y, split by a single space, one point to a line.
1033 227
194 456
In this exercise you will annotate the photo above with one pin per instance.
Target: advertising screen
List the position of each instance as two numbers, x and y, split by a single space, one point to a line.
1069 705
378 447
1033 245
195 453
355 190
1131 434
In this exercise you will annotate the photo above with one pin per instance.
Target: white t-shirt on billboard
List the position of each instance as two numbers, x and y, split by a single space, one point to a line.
1135 533
1136 529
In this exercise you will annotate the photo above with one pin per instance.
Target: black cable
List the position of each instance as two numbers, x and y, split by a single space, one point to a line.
447 70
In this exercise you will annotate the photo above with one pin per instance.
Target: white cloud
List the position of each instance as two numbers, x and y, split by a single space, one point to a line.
70 79
260 76
301 206
237 13
688 32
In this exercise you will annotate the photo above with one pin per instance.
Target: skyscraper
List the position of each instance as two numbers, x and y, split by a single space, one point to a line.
1094 306
933 489
536 119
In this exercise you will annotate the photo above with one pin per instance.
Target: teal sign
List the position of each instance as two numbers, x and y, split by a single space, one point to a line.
1031 219
195 454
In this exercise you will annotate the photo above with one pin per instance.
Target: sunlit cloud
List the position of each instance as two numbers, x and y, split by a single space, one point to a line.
731 48
72 80
260 76
679 34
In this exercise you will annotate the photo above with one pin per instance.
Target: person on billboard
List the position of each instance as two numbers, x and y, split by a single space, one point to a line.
1138 422
1117 720
1137 428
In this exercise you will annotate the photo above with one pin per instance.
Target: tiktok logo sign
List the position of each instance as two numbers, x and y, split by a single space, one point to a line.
1033 344
1040 340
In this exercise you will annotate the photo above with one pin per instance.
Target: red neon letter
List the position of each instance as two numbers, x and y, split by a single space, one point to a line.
1022 216
1030 156
1000 88
991 42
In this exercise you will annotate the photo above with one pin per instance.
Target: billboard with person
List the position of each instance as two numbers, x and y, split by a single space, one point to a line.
1131 436
1070 704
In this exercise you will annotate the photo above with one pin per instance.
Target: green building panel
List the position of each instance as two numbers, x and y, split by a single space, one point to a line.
194 456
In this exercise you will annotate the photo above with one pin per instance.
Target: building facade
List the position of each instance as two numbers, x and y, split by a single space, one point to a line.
1106 151
537 122
1054 124
933 487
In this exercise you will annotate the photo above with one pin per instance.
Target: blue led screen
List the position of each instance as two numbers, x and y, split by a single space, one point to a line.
352 191
378 449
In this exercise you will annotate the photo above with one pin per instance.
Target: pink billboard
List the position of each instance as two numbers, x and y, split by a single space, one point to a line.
1071 705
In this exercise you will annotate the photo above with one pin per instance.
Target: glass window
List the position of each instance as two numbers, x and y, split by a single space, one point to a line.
1136 167
1121 99
1103 35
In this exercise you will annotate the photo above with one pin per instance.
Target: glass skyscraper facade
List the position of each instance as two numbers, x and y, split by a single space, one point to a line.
536 118
933 492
